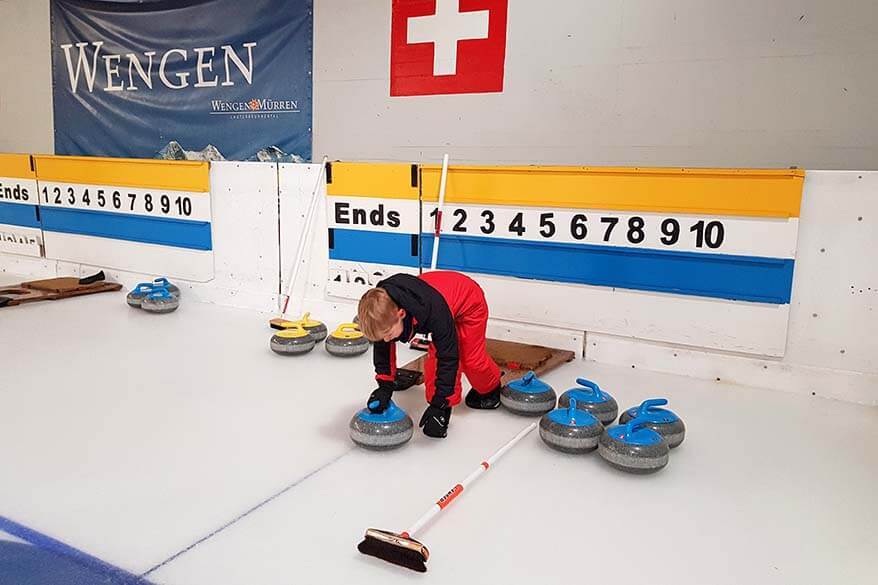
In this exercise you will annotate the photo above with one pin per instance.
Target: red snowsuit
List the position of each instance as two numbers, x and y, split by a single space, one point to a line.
451 306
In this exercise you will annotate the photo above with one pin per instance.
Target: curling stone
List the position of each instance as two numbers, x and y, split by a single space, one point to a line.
159 300
380 432
138 293
172 288
528 396
347 340
661 420
633 447
571 430
317 329
292 341
592 399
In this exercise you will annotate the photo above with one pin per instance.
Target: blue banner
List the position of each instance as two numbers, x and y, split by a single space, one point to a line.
197 79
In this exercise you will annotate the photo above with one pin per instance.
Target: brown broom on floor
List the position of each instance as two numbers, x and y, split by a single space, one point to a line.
401 548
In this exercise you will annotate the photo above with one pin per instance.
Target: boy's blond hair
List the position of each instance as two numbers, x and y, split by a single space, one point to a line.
377 313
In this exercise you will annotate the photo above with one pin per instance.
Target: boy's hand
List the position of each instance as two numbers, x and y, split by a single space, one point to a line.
435 421
379 399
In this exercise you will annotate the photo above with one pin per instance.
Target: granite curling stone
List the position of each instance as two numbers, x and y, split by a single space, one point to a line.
661 420
347 340
160 301
172 288
571 430
138 293
634 448
528 396
591 398
380 432
317 329
292 341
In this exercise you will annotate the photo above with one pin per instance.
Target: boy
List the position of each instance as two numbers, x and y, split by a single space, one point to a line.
450 306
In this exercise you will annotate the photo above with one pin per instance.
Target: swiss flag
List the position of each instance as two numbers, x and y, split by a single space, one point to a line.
447 46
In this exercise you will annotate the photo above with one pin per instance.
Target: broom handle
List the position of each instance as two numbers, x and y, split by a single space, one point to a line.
445 500
438 225
306 230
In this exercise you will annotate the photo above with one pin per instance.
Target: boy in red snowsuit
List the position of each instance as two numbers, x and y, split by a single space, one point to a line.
451 307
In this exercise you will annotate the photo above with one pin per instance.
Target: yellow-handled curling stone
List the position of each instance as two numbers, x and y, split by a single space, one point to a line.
347 340
317 329
293 341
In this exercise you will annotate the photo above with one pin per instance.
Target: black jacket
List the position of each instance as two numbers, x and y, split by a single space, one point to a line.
426 312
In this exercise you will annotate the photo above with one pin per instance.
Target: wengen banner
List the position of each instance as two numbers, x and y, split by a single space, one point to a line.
207 79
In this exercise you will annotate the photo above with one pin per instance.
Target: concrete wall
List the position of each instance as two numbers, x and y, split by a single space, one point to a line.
25 77
620 82
593 82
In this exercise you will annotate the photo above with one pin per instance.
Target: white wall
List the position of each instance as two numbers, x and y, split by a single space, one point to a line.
831 346
258 212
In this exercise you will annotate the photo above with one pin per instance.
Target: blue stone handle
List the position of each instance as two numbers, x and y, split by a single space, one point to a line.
634 424
528 377
590 385
648 405
159 292
571 410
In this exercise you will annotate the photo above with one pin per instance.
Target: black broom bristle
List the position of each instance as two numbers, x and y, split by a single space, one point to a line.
393 554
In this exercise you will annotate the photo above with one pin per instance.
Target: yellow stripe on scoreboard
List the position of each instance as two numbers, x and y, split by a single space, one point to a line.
16 166
731 192
190 176
378 180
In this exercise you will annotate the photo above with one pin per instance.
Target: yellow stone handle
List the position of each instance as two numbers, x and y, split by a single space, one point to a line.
348 331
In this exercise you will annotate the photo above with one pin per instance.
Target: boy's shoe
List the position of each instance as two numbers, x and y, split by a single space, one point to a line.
488 401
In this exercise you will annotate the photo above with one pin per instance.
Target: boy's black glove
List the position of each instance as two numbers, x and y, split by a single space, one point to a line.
435 420
379 399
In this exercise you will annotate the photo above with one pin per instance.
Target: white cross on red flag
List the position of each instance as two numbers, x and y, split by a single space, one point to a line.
447 46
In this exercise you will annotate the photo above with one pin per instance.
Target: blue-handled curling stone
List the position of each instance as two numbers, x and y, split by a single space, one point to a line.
138 293
528 396
571 430
159 300
387 430
661 420
172 288
633 447
591 398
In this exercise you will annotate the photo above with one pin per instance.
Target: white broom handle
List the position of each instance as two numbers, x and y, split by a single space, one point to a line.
452 494
438 224
309 219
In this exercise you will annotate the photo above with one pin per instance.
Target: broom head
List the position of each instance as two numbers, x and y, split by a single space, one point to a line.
399 549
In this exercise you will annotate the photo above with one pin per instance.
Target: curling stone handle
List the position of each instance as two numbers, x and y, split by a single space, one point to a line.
590 385
159 292
571 410
144 287
452 494
161 281
529 377
634 424
646 405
